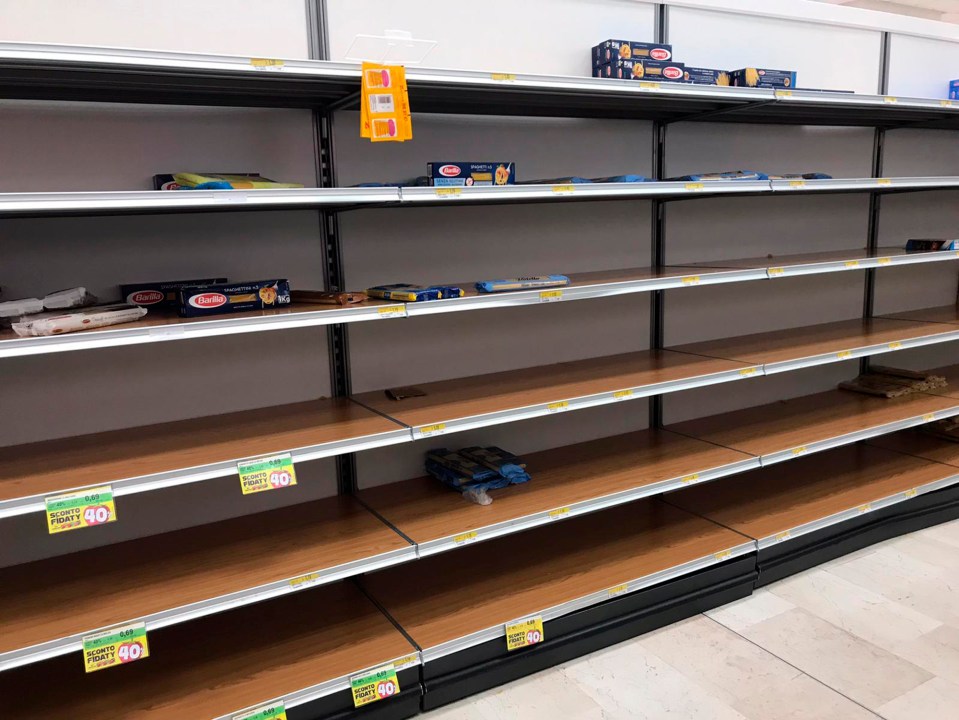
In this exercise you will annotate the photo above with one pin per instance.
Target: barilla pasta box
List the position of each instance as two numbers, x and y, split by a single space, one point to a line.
200 300
642 70
161 294
612 50
460 174
931 245
763 77
706 76
954 89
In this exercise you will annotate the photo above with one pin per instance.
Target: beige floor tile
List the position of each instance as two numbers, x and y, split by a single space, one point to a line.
548 695
856 668
947 533
632 683
744 676
937 699
759 606
926 549
853 608
936 651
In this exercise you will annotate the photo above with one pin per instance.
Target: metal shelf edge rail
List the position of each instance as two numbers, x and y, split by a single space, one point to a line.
328 687
184 476
864 434
499 630
882 184
878 261
488 532
203 608
853 513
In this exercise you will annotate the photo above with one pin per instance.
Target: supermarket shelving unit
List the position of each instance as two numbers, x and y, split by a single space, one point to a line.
650 560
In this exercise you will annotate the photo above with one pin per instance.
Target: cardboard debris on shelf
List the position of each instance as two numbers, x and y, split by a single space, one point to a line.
890 382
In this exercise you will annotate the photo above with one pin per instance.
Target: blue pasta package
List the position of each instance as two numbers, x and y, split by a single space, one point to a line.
467 174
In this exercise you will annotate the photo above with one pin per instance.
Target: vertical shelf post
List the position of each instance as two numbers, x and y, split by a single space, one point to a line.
657 301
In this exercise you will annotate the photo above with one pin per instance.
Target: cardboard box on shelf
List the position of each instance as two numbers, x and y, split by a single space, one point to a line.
610 51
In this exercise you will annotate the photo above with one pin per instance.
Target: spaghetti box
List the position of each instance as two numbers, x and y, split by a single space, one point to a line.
763 77
642 70
163 294
459 174
931 245
612 50
200 300
954 89
706 76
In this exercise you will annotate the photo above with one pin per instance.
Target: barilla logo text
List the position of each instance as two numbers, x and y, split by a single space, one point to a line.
146 297
660 54
449 170
208 300
672 72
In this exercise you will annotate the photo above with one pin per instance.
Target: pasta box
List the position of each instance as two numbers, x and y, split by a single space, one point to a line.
161 294
706 76
610 51
201 300
460 174
642 70
763 77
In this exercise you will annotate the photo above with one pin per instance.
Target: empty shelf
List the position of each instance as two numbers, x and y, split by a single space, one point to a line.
157 456
160 327
790 428
46 607
566 481
921 444
456 600
795 348
464 403
224 664
944 314
775 505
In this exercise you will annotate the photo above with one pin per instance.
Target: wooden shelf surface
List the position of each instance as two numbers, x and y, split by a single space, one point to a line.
425 510
951 373
514 389
448 596
218 666
838 339
81 592
763 503
57 465
921 444
852 256
799 422
942 314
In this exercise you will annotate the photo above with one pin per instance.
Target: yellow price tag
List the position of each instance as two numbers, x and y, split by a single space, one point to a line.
550 295
895 345
799 450
784 93
559 513
852 263
557 406
81 509
618 590
391 311
691 280
622 394
929 417
844 354
748 372
266 473
405 662
891 100
448 192
304 580
649 85
117 646
563 188
776 271
947 103
883 181
864 508
691 478
374 685
884 261
276 711
428 430
783 536
797 183
524 633
911 493
503 77
465 538
723 555
695 186
266 63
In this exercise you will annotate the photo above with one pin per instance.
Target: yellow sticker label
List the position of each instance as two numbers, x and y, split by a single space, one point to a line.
883 181
776 271
503 77
947 103
305 580
464 538
695 186
117 646
911 493
448 192
266 473
844 354
391 311
76 510
723 555
748 372
618 590
691 280
558 513
275 711
891 100
563 188
377 684
622 394
895 345
797 183
524 633
884 261
266 63
436 429
784 93
783 536
864 508
799 450
852 263
691 478
929 417
405 662
550 295
558 406
649 85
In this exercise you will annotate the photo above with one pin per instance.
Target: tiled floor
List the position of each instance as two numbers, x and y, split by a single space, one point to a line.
874 634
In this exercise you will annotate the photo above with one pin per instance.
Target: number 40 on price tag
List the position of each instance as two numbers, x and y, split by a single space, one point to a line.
117 646
80 509
377 684
266 473
524 633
